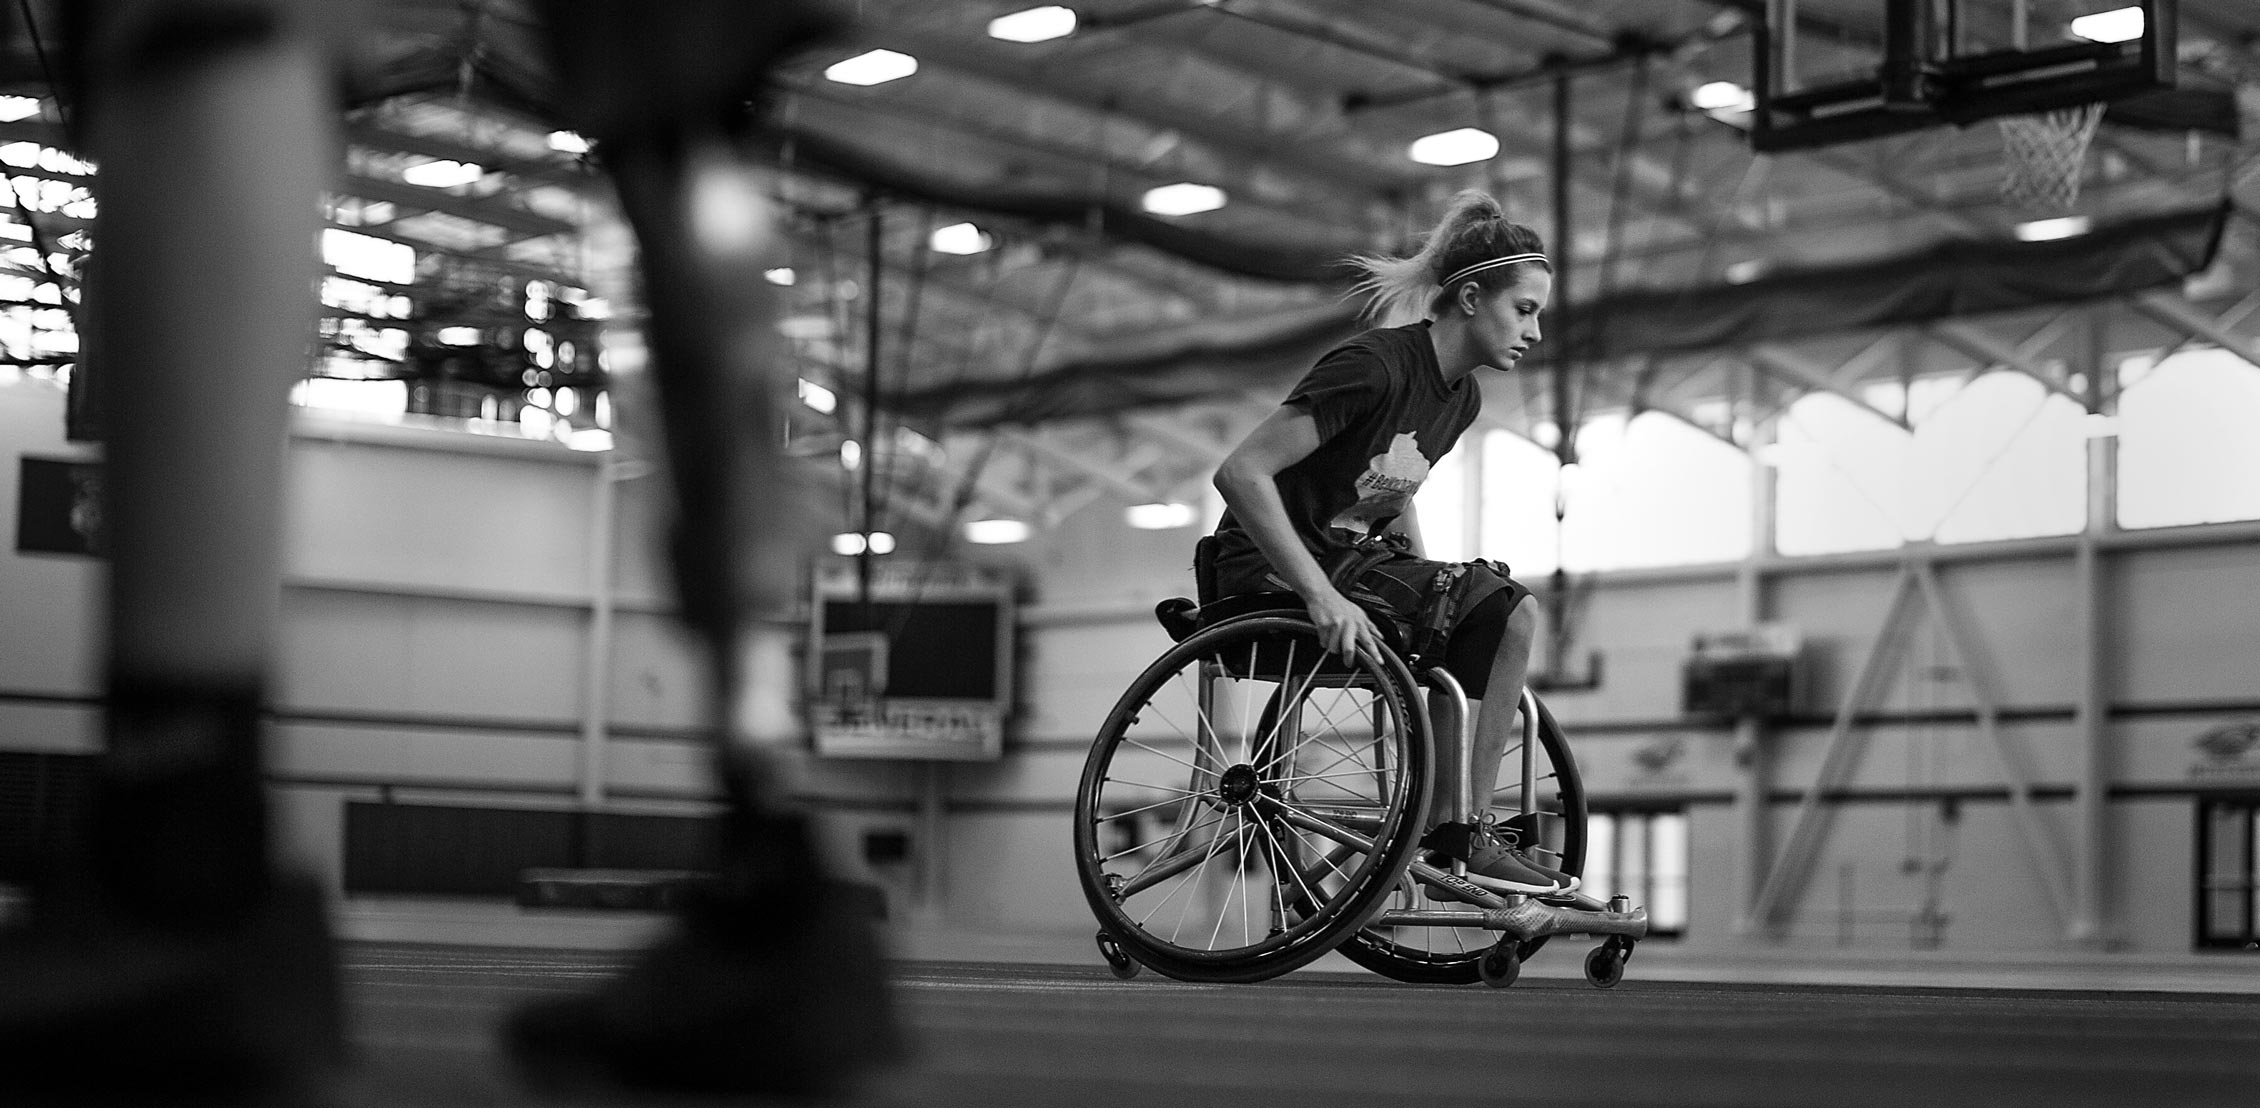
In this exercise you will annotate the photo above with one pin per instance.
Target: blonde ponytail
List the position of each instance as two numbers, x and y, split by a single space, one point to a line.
1473 230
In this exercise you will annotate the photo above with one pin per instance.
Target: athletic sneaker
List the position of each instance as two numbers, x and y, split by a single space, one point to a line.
1493 862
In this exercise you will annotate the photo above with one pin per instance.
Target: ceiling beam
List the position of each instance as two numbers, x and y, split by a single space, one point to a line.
2181 315
490 211
1226 140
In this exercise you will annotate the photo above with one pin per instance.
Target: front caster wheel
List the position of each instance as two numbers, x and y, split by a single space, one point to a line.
1501 964
1118 960
1604 964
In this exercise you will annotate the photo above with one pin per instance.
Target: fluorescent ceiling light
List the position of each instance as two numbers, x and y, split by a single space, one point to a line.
13 108
851 543
1159 516
959 238
1468 144
369 257
817 396
458 336
442 174
872 67
1746 271
2117 25
992 532
2041 230
1034 25
1722 96
568 142
782 275
1183 198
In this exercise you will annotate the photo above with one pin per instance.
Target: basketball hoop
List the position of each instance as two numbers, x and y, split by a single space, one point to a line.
2043 153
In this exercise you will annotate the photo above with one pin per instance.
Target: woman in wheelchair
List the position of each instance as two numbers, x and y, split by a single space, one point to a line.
1319 501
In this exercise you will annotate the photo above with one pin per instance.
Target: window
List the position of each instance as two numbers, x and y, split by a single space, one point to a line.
1996 457
2185 437
1647 491
2228 894
1642 854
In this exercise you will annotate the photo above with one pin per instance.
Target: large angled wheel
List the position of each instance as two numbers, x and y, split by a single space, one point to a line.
1453 955
1205 828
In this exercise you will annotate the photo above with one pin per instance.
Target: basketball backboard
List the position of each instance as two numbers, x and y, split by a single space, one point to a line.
1829 71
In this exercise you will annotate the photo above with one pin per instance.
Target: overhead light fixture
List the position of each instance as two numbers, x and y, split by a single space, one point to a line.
2062 227
442 174
1183 198
959 238
2116 25
568 142
458 336
817 396
995 532
13 108
1034 25
1468 144
1722 96
1746 271
782 275
872 67
1160 516
851 454
852 543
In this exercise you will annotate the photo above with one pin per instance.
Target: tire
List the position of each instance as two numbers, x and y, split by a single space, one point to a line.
1219 891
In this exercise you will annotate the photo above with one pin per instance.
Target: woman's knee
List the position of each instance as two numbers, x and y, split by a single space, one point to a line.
1522 627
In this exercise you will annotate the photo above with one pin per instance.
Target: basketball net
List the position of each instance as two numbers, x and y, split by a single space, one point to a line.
2044 153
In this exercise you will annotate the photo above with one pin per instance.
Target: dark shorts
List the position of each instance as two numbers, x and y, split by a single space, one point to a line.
1397 587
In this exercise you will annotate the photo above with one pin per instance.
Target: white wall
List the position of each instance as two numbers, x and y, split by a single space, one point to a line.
437 618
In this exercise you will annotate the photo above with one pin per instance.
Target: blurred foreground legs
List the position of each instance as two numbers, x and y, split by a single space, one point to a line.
167 960
771 982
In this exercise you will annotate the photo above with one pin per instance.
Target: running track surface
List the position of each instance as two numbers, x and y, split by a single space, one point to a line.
423 1019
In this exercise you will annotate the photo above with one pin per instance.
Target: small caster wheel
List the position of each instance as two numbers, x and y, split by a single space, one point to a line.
1501 964
1123 965
1604 965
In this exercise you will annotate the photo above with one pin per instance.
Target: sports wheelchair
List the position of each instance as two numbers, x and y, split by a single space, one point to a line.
1253 802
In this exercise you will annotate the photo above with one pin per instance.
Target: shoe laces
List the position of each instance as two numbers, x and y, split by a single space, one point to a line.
1488 826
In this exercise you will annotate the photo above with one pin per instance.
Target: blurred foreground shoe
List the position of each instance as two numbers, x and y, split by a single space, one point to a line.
98 1011
772 986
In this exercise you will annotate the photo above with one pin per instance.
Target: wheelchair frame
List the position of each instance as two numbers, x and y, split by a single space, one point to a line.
1389 863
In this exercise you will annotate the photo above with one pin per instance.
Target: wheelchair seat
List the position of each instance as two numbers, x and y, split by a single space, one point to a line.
1181 617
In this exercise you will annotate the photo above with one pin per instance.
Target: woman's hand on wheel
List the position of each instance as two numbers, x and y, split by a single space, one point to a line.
1343 627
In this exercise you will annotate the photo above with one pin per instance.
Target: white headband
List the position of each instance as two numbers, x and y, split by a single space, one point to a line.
1494 263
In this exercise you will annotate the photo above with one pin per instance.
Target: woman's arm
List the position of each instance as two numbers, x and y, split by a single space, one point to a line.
1248 480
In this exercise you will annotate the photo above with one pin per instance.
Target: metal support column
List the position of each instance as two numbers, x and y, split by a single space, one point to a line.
596 665
2090 914
1752 758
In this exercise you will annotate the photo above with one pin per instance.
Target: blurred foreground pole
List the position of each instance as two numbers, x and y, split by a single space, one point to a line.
771 982
170 957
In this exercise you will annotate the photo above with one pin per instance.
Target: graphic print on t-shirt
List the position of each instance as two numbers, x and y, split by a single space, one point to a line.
1387 484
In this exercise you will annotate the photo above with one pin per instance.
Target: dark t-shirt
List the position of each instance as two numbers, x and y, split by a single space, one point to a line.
1384 416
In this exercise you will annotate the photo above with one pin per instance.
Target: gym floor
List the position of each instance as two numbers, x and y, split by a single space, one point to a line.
1067 1033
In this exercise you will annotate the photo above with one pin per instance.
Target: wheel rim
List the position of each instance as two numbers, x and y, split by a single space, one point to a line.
1198 812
